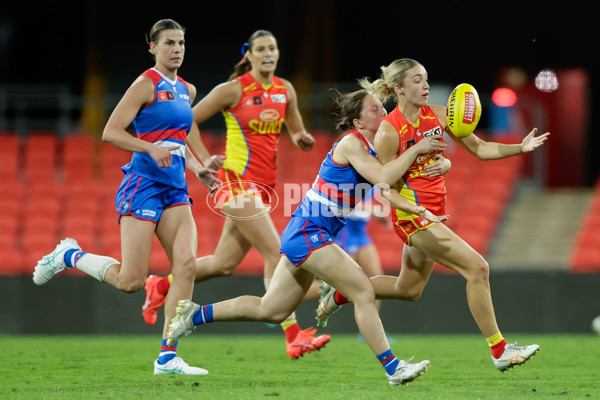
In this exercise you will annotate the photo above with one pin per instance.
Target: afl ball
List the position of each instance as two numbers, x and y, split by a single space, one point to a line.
463 110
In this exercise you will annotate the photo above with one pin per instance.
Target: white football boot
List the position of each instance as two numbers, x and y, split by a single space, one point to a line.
182 323
327 305
406 372
178 367
54 262
514 355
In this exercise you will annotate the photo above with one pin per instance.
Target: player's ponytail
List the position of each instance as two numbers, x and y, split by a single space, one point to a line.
393 74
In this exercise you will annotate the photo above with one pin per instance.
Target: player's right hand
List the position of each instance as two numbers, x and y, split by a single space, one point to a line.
162 155
430 144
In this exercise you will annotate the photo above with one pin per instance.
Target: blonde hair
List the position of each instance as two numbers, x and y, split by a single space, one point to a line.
395 73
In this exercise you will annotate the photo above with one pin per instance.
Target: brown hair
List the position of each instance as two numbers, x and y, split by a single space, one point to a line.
244 65
347 107
159 27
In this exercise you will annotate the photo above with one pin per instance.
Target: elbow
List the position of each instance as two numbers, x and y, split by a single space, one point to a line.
106 137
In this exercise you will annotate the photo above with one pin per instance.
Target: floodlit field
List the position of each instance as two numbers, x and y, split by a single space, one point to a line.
257 367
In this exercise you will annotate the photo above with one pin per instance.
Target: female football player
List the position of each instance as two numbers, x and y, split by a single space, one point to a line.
308 245
256 104
426 241
152 199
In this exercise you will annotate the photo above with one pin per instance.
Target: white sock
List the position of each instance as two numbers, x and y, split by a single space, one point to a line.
95 266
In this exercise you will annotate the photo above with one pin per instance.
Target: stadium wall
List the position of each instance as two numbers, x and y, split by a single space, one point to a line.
530 302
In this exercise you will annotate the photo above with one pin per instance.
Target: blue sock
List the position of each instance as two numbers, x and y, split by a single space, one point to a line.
166 353
72 256
203 315
389 361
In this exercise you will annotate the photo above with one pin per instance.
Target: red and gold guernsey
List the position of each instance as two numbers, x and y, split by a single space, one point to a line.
414 186
253 127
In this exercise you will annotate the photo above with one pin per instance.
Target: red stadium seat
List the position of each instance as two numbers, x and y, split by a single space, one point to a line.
585 260
9 142
39 243
42 207
10 207
12 262
41 172
78 147
10 167
76 172
39 223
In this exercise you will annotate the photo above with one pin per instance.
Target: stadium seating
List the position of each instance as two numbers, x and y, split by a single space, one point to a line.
585 255
71 182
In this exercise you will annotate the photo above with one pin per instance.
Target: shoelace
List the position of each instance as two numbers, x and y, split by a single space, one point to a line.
514 346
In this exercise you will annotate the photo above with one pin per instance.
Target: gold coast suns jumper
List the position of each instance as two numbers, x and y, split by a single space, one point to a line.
253 127
417 188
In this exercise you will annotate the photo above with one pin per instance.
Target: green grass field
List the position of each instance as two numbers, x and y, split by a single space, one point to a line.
256 367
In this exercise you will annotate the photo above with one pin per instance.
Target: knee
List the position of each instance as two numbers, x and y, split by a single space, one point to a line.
184 269
276 318
133 285
226 269
216 266
480 270
410 294
363 295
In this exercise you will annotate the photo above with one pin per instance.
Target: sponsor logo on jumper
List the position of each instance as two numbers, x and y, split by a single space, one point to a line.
165 95
278 98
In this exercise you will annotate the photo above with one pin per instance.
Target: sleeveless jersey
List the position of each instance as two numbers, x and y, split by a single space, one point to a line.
415 187
165 122
335 192
253 127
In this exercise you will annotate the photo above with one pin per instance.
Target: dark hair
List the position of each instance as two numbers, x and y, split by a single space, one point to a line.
161 26
347 107
244 65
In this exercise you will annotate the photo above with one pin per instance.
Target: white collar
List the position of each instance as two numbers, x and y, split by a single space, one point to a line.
165 78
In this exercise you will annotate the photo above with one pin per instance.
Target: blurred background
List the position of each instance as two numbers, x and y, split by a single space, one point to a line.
64 67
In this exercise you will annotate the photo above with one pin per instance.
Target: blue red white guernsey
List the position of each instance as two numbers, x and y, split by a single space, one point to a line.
323 210
166 122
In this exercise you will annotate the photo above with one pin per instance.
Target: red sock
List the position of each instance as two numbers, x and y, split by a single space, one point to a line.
163 285
291 332
498 348
340 298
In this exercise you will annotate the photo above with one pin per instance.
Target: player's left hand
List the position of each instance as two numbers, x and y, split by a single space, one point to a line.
215 162
431 217
440 167
532 142
208 178
305 141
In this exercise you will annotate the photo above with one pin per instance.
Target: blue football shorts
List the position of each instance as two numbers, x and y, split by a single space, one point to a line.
146 199
301 237
353 236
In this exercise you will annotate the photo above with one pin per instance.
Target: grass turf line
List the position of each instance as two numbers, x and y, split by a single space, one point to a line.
257 367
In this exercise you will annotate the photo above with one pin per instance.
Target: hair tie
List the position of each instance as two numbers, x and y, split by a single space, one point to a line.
245 47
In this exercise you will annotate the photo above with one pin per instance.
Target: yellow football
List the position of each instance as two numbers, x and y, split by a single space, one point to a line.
463 110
